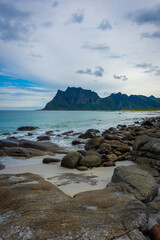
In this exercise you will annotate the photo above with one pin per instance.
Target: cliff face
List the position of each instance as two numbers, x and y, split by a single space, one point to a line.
80 99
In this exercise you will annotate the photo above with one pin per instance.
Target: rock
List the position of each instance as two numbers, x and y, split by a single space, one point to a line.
90 161
44 146
24 152
94 143
111 157
50 160
82 168
2 153
2 166
68 132
12 138
6 134
154 232
147 123
140 141
27 128
111 136
90 133
33 208
144 186
153 172
109 164
8 143
82 152
88 153
76 142
105 148
71 160
43 138
49 132
30 134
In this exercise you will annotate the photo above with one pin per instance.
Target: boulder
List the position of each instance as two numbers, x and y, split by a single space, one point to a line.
154 232
30 134
94 143
90 161
90 152
27 128
33 208
68 132
90 133
109 164
25 152
111 157
144 186
105 148
2 166
71 160
50 160
8 143
43 138
44 146
82 168
76 142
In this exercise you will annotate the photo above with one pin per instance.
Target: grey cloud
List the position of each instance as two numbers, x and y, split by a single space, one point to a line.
105 25
13 23
35 55
153 35
47 24
97 47
115 56
77 17
149 68
97 73
120 77
55 4
144 16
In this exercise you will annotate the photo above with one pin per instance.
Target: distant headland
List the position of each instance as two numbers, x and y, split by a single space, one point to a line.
82 99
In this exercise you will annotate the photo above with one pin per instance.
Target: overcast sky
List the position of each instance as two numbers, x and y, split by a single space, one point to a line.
107 46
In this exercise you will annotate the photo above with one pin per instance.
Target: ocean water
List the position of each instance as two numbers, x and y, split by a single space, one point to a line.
63 121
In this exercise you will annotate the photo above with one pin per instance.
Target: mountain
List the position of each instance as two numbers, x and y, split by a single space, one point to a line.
80 99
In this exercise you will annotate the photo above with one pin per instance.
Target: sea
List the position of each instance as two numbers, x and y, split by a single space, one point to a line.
63 121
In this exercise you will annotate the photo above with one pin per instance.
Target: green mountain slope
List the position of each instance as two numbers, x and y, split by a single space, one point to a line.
80 99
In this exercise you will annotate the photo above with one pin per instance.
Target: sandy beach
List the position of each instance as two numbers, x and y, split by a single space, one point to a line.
70 181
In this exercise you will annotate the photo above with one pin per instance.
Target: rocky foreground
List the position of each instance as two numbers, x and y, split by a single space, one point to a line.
128 208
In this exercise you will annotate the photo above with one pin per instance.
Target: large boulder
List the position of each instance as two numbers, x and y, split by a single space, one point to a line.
8 143
94 143
90 133
33 208
25 152
71 160
27 128
147 149
90 161
44 146
144 186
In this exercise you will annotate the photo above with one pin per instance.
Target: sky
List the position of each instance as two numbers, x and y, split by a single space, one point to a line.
107 46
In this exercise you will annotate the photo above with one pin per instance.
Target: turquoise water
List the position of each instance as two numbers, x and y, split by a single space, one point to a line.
61 121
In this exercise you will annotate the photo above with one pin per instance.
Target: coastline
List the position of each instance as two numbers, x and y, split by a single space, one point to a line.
55 196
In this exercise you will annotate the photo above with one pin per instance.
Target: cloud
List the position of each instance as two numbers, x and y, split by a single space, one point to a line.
115 56
120 77
144 16
97 47
47 24
105 25
97 73
149 68
154 35
13 25
77 17
55 4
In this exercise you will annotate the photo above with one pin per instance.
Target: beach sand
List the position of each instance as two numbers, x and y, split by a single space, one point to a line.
70 181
